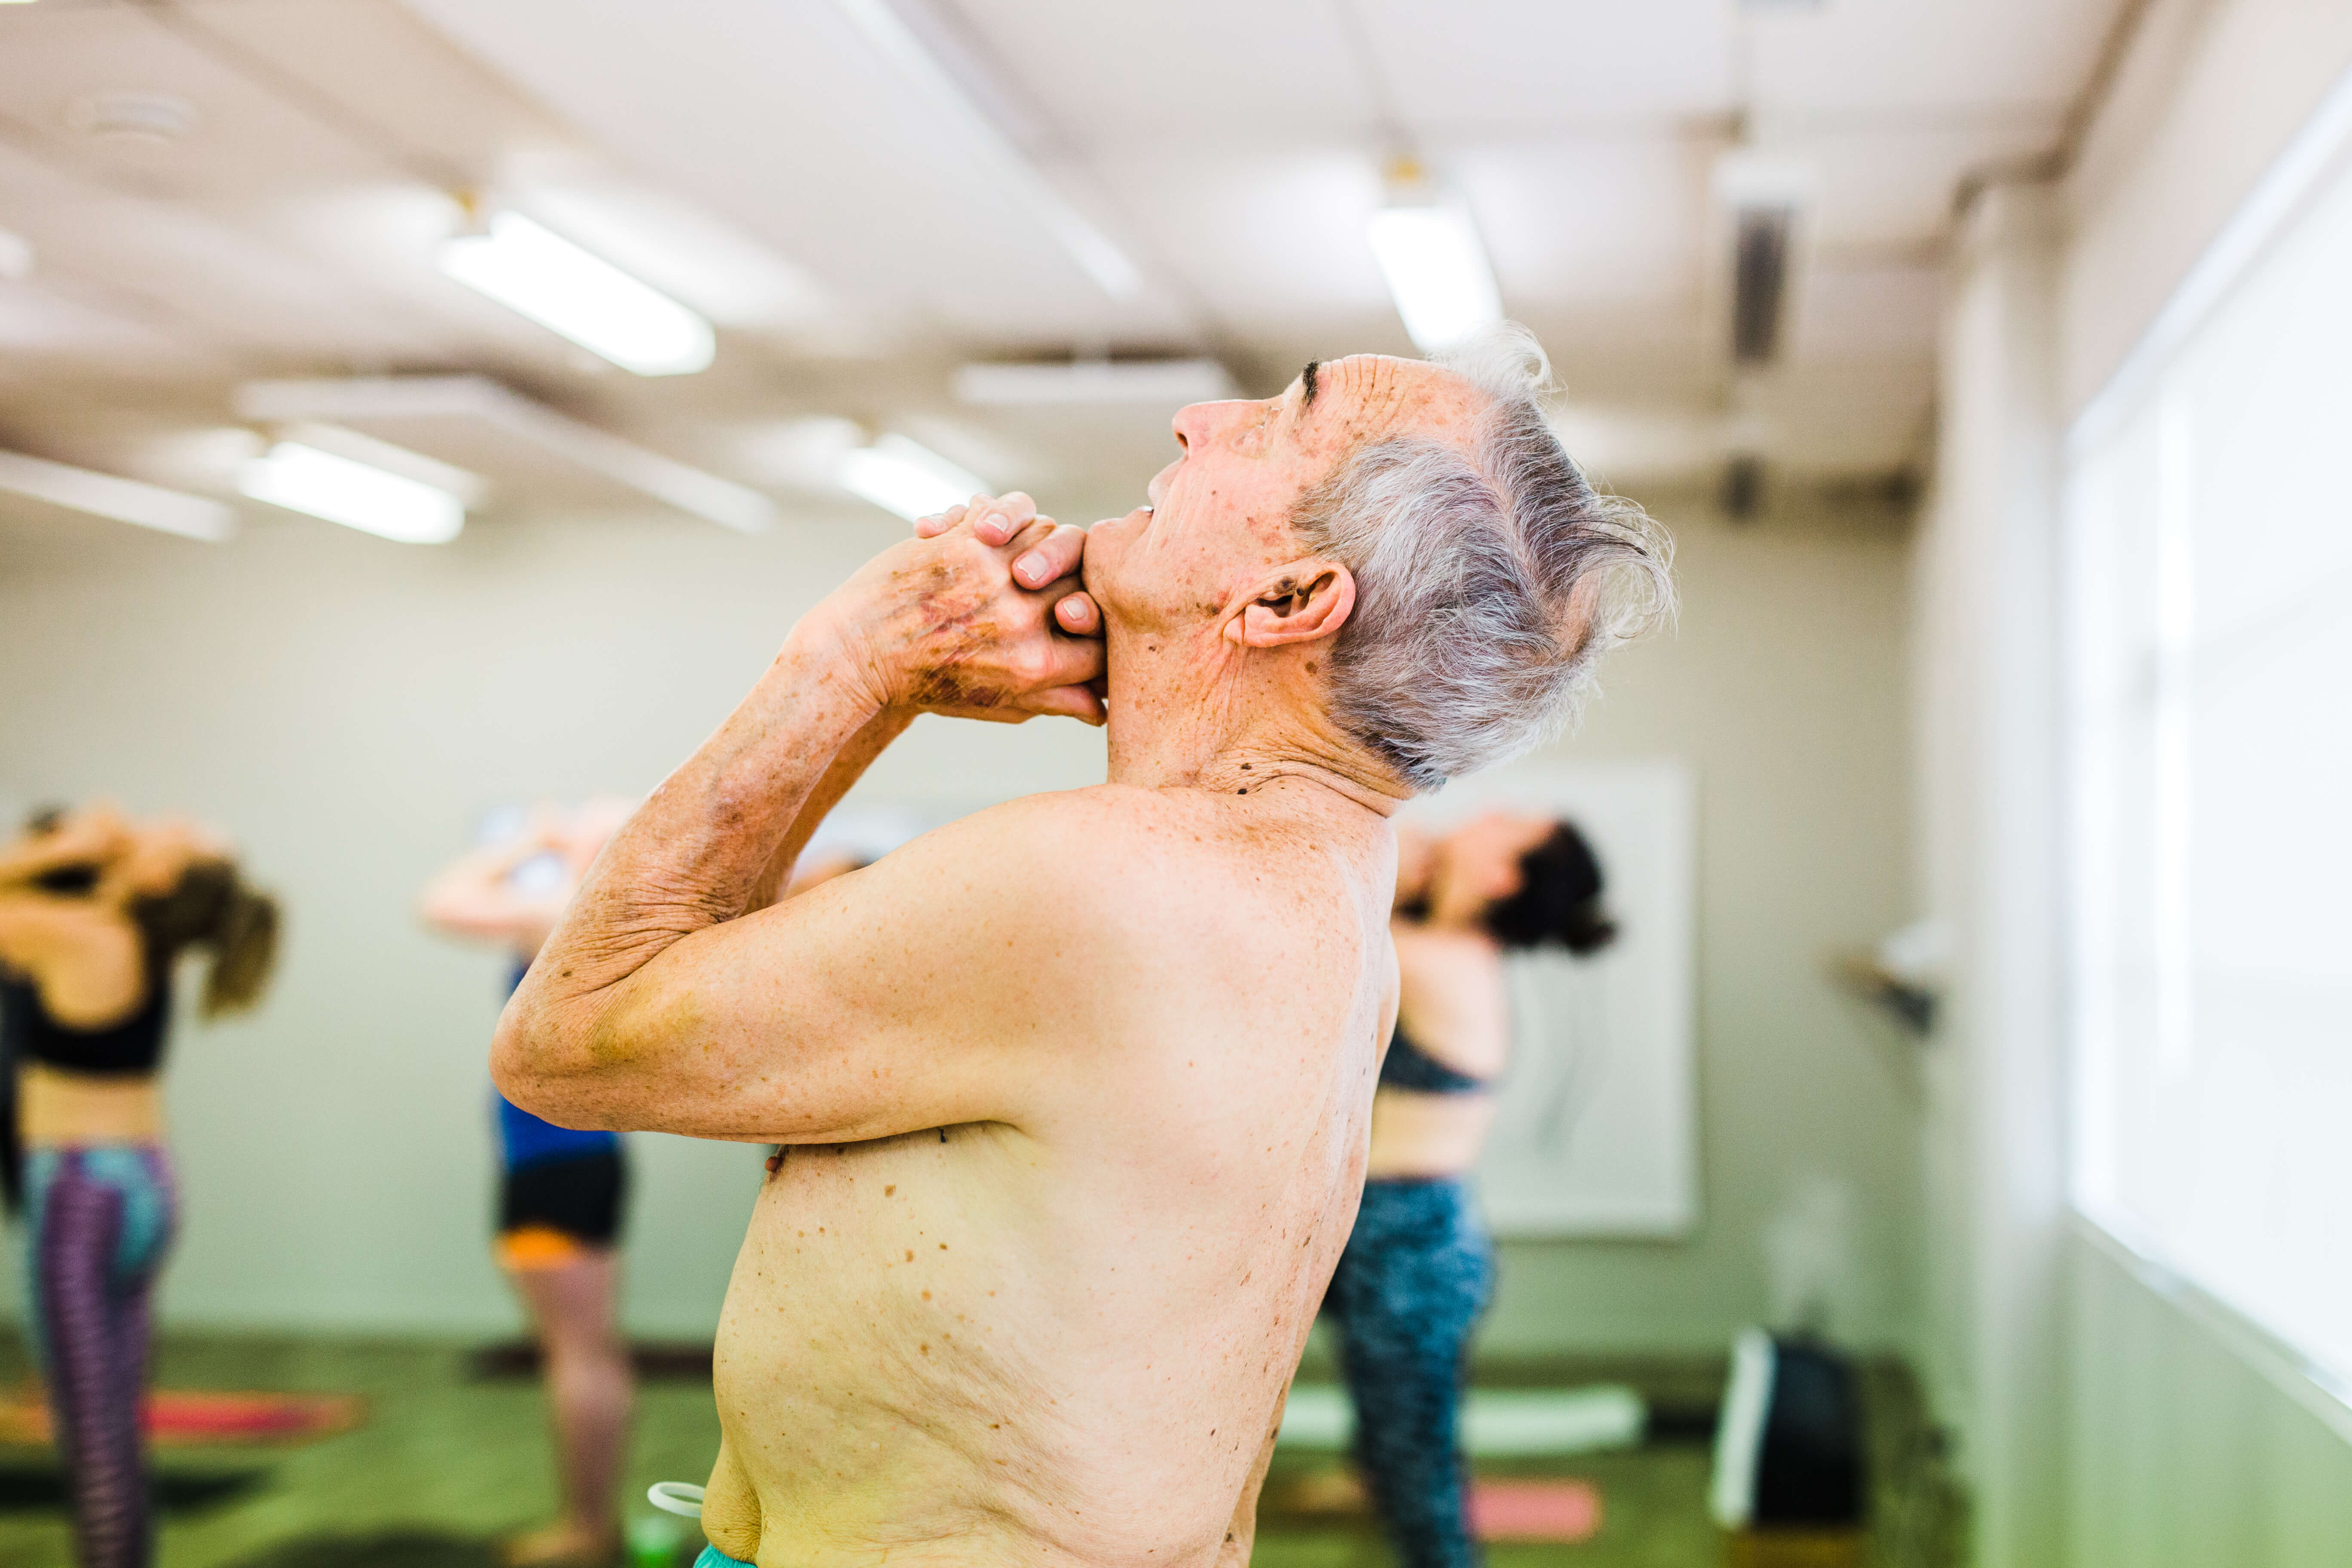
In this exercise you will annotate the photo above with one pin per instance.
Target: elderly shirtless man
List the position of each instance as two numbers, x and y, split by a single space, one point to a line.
1073 1093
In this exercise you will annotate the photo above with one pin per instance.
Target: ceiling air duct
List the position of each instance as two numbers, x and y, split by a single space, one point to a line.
1759 277
1764 194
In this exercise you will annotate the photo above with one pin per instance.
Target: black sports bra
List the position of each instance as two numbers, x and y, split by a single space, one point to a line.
133 1046
1408 1067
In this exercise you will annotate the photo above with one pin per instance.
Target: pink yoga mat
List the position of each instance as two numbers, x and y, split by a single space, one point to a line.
1567 1511
175 1418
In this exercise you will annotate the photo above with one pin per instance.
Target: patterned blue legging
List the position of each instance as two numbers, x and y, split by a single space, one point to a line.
98 1222
1417 1272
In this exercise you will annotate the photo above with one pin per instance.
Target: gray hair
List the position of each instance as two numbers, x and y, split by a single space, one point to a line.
1489 583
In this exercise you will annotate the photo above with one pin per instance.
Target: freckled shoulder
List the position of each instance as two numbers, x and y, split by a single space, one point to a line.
1119 867
1098 837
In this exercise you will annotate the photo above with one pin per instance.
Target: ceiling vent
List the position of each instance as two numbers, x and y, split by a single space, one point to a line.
1759 273
150 118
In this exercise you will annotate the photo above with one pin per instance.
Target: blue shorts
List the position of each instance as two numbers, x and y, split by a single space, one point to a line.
713 1558
525 1140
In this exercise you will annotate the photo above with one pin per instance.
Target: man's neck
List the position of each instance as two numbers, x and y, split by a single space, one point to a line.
1204 714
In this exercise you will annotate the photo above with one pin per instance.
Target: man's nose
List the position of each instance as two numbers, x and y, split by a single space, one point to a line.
1200 421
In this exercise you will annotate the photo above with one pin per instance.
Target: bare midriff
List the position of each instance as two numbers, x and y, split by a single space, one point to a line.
1419 1134
57 1107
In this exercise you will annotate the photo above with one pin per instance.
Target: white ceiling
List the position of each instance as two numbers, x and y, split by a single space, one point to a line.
855 238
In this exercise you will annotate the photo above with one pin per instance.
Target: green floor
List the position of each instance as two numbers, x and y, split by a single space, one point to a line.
446 1462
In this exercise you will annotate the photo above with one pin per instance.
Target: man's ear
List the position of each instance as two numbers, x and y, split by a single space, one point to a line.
1304 602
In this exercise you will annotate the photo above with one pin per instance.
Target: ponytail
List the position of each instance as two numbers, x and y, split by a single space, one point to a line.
211 906
243 951
1559 901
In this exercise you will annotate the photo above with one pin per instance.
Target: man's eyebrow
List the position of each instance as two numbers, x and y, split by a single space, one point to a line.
1306 384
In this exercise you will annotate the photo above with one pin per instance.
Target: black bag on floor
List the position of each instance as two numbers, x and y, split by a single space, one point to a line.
1787 1450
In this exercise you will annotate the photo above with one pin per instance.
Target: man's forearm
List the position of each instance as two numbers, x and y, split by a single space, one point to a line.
849 766
697 852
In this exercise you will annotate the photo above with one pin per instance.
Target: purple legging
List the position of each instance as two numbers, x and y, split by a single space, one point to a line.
101 1221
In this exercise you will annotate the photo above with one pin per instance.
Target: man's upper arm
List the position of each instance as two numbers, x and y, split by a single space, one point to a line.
931 989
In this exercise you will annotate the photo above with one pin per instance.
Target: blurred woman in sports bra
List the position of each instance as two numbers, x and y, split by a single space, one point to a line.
1419 1266
561 1191
95 913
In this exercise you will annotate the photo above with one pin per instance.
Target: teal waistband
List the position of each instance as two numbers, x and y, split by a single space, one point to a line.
713 1558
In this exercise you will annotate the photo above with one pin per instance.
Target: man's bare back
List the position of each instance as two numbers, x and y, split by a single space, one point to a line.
931 1341
1074 1095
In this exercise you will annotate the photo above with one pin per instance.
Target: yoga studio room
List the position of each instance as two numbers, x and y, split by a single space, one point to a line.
1171 783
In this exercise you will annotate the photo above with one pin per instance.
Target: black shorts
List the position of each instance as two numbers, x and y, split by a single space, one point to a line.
578 1197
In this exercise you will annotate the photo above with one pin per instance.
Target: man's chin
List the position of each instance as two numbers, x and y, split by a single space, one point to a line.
1105 540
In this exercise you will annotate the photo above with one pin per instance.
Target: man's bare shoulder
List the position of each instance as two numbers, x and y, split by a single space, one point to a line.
1083 849
1107 823
1121 871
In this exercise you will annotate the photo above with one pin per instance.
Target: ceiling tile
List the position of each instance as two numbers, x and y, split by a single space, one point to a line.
1551 63
1267 237
43 330
1909 59
1214 73
374 65
1588 221
201 279
240 140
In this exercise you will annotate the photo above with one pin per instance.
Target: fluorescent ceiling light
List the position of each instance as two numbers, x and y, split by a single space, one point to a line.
442 408
1436 272
303 479
674 247
1172 383
538 273
355 447
124 500
904 476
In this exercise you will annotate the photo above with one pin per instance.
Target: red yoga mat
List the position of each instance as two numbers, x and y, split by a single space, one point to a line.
1546 1509
1563 1510
188 1418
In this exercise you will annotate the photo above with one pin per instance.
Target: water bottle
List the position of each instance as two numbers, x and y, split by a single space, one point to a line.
654 1542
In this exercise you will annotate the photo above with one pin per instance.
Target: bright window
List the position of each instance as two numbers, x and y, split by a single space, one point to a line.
2210 598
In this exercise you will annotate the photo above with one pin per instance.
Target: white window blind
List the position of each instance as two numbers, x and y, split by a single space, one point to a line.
2210 663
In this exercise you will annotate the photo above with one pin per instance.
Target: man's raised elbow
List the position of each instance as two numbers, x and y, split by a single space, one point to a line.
527 1056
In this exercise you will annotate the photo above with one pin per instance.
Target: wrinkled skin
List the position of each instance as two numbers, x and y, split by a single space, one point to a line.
1074 1095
